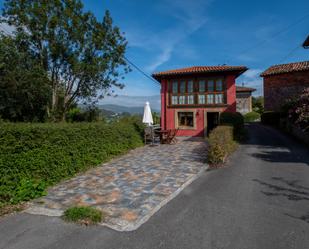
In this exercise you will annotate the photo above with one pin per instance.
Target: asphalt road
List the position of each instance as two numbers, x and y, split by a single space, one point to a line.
261 200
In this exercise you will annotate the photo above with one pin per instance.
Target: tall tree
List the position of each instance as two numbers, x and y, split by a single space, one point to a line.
24 86
84 58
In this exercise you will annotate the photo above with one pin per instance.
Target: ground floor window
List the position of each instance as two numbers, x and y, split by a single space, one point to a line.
185 119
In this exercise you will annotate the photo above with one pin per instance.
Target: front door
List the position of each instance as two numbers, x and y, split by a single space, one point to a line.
212 121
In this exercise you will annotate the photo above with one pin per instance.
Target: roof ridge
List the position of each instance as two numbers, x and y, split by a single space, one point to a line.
286 68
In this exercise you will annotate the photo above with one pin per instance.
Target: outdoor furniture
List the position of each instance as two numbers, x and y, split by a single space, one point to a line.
168 136
151 134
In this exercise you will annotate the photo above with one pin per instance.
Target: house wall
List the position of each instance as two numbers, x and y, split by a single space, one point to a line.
279 88
243 102
168 114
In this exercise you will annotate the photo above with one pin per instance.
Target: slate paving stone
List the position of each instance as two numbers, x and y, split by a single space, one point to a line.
131 187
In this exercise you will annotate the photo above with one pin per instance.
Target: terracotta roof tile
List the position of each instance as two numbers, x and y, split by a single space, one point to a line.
244 89
286 68
201 69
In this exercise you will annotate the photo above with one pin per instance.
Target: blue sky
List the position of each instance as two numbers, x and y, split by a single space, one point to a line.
167 34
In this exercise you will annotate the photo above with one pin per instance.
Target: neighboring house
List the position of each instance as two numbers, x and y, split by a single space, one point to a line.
306 42
244 99
193 98
282 82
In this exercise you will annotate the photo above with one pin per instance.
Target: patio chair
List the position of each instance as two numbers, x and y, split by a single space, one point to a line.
170 137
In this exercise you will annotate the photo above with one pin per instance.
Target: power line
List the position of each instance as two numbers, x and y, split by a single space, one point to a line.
129 61
290 54
140 70
274 35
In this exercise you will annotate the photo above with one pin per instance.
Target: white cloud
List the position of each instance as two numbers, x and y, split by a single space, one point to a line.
251 78
190 16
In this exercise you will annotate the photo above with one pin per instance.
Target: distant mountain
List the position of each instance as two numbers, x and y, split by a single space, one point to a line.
132 102
122 109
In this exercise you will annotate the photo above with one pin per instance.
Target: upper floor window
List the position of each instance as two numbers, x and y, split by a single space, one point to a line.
200 92
210 85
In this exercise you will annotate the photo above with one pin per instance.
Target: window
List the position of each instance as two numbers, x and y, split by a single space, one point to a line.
201 86
190 99
190 86
201 99
210 99
186 119
182 86
174 100
202 92
175 87
211 86
219 98
182 100
219 85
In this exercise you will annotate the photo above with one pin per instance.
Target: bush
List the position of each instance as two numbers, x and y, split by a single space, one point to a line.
236 120
271 118
232 118
34 156
83 215
221 144
252 116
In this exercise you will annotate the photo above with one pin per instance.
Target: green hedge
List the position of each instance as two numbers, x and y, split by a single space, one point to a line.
232 118
271 118
221 144
34 156
252 116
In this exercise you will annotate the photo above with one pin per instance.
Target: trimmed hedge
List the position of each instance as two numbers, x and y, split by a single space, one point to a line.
232 118
221 144
252 116
34 156
271 118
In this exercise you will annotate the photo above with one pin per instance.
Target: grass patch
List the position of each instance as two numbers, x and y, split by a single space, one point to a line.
6 209
83 215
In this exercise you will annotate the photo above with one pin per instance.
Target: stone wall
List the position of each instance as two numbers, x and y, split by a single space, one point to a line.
243 102
279 88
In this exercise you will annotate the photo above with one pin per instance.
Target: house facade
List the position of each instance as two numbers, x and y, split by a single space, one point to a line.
244 99
193 98
283 82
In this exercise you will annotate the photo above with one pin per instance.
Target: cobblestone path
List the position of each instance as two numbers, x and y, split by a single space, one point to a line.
130 188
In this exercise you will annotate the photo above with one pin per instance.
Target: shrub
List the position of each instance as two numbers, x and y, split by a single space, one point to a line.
236 120
232 118
271 118
221 144
298 113
252 116
83 215
34 156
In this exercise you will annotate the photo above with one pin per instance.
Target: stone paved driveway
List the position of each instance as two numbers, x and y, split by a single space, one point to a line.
130 188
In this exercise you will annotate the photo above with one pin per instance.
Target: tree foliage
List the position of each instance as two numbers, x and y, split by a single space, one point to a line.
84 57
298 113
258 104
24 86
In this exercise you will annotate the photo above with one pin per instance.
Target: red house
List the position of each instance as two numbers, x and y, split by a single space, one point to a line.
193 98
